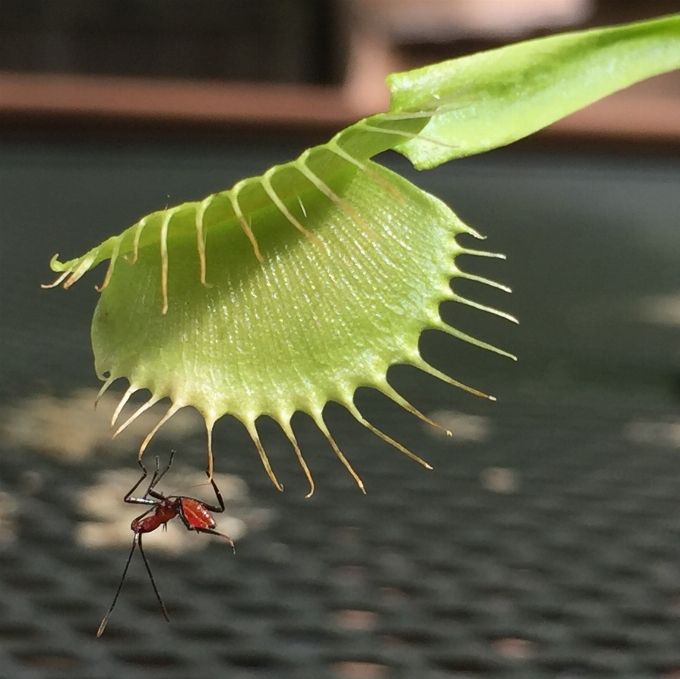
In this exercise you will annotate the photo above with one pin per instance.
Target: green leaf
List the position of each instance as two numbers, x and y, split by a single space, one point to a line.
295 288
278 313
493 98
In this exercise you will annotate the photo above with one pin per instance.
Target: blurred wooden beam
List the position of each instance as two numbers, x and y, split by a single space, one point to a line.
167 100
635 115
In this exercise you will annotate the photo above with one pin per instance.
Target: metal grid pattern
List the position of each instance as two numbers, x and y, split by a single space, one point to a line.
547 547
550 550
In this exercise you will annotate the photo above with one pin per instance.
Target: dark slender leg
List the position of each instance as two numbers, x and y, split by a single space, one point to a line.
217 509
153 582
139 500
164 472
211 531
157 476
102 627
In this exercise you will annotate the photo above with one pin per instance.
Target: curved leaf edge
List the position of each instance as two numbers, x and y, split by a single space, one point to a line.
375 172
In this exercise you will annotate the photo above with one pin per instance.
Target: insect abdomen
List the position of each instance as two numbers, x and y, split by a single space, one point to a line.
196 514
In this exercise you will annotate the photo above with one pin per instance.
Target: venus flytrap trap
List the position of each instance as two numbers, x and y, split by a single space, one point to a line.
295 288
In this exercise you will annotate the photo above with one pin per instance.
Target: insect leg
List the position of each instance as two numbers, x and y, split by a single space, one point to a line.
153 582
211 531
145 500
102 627
158 476
140 500
215 508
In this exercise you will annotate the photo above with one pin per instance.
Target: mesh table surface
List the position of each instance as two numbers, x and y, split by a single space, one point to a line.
546 545
570 570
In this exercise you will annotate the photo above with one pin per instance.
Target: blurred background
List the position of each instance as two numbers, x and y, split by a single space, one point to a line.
545 543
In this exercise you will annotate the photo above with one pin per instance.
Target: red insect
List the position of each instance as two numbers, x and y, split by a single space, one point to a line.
195 514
